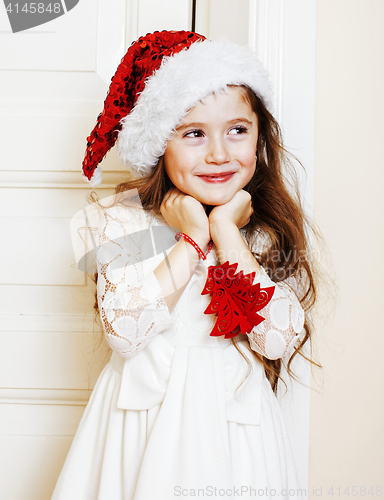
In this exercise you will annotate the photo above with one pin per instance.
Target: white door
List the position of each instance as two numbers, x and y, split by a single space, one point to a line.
53 83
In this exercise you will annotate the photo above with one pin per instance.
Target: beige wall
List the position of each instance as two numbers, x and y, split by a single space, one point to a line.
347 431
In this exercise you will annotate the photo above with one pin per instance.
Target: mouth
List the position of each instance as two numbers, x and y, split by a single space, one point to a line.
216 178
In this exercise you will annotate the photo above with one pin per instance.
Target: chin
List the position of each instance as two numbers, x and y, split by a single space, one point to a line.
215 201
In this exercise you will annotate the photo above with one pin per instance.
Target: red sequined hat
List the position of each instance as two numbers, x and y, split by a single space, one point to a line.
162 76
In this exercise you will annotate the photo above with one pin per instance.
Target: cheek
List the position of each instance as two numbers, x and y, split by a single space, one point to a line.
171 162
249 174
249 159
249 152
249 164
176 170
178 163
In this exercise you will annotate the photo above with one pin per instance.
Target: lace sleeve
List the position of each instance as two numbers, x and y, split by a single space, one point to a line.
284 321
131 303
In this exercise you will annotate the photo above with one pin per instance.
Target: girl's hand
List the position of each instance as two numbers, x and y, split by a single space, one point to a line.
225 222
187 214
237 211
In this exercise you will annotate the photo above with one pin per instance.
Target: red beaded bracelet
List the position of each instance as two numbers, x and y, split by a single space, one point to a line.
194 244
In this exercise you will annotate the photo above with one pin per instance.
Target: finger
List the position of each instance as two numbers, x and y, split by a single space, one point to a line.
167 195
171 195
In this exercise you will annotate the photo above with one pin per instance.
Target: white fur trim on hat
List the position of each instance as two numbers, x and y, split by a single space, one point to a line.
176 87
96 178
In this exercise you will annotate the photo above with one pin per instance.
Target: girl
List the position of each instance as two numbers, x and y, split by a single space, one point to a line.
202 282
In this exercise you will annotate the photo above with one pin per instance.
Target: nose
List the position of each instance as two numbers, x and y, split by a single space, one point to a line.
217 152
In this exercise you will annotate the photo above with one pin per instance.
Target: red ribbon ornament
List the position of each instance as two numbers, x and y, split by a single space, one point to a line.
235 300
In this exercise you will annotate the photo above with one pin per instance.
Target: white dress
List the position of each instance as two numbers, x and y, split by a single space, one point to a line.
176 413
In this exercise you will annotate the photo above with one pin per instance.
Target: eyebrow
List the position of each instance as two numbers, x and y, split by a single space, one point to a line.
202 125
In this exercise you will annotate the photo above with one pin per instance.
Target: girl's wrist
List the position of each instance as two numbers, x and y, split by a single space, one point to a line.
202 251
222 229
199 238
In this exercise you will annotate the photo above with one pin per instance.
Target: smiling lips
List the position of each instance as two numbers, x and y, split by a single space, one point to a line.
215 178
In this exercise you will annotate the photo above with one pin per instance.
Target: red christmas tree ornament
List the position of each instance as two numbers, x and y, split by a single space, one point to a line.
235 300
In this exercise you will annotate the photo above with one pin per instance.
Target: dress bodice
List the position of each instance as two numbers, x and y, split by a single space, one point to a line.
130 244
190 325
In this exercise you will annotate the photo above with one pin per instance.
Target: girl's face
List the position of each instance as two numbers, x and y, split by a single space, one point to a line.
212 154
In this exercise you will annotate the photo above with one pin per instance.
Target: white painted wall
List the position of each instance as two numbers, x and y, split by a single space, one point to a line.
347 438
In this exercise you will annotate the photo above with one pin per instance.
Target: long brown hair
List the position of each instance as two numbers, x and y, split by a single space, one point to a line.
278 218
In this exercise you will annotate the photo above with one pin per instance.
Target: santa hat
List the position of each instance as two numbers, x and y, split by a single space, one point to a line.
163 76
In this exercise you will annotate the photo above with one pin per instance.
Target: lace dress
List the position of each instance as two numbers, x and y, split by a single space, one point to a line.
176 412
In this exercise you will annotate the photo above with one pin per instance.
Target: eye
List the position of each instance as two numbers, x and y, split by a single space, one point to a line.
238 130
194 133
